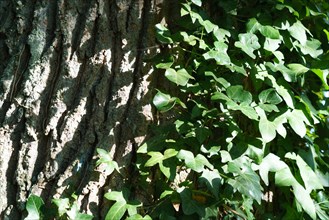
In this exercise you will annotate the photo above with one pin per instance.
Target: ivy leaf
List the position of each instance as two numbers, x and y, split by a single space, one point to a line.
117 210
270 163
195 163
163 34
311 47
219 53
248 183
156 157
271 44
267 129
284 177
304 198
296 120
179 77
221 34
269 107
163 102
297 68
190 206
269 32
253 26
62 205
322 74
139 217
213 180
248 42
109 164
197 2
237 93
165 62
269 96
285 95
33 206
202 133
248 111
309 177
298 31
83 216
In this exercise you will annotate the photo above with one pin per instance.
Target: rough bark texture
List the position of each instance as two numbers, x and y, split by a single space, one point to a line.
72 79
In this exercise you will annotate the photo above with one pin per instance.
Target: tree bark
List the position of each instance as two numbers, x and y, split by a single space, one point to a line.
72 79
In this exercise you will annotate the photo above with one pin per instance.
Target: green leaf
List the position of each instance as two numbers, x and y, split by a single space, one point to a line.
163 34
219 54
139 217
310 179
322 74
296 120
270 163
248 43
156 157
169 153
189 205
116 211
269 107
180 77
269 32
284 177
253 26
163 102
209 26
202 133
195 163
271 44
269 96
165 62
221 34
297 68
213 181
83 216
283 92
311 47
298 31
237 93
115 196
305 200
247 182
33 206
267 129
248 111
62 204
106 159
220 80
197 2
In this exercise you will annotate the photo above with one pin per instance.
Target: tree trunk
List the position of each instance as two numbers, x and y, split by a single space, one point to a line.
72 79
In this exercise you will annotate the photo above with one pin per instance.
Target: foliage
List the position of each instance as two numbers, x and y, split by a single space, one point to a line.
249 134
251 116
66 209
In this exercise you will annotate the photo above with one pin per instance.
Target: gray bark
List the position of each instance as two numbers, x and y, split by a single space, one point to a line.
72 79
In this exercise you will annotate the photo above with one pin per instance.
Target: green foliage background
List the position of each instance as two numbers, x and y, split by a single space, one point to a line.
248 136
251 117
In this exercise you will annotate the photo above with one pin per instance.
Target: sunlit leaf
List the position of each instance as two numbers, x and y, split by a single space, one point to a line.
270 163
248 43
213 180
116 211
267 129
248 183
269 32
33 206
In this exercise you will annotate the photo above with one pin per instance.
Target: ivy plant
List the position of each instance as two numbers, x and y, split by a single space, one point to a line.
250 127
